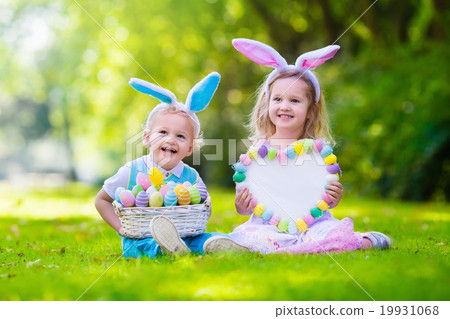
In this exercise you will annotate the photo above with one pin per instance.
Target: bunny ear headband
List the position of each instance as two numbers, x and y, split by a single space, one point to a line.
265 55
198 98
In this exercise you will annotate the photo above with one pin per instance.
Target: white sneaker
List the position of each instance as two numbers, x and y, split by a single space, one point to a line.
221 243
379 240
166 235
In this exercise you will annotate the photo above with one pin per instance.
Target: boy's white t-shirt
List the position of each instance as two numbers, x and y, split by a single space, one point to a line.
120 179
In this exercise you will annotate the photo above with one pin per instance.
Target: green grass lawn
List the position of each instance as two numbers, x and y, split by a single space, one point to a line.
54 246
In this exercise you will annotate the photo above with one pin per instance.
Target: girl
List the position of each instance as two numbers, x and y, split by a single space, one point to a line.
171 133
290 107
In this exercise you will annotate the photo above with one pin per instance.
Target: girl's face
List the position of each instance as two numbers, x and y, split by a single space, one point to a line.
288 107
170 139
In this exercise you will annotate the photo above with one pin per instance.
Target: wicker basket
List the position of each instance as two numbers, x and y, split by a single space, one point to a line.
190 220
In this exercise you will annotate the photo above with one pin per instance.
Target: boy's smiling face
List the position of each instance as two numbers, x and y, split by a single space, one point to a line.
170 139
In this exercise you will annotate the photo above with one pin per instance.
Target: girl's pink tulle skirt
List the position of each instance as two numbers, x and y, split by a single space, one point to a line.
324 235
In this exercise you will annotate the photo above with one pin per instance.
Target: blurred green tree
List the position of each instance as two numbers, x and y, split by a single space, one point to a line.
64 77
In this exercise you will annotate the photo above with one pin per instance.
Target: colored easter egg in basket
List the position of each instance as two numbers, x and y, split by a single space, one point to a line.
171 184
155 176
187 184
136 190
142 199
117 194
151 190
178 187
127 198
171 198
195 195
156 200
164 189
202 189
143 181
184 198
288 189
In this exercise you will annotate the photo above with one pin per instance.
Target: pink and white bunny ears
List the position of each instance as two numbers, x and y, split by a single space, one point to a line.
197 100
265 55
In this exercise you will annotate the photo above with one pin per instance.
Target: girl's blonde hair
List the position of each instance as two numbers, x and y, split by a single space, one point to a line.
317 126
172 109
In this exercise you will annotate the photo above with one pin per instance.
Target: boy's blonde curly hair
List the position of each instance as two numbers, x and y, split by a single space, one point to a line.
171 109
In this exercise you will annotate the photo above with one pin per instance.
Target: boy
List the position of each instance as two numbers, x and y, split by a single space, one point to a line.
171 133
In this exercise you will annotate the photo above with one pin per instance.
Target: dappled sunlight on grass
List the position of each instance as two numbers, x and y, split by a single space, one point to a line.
224 217
71 200
57 251
224 291
230 285
435 216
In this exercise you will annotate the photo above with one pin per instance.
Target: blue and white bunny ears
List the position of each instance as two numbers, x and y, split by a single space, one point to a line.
197 100
265 55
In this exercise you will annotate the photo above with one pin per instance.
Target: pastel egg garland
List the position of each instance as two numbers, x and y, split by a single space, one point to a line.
253 153
290 151
245 159
297 148
271 154
262 151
